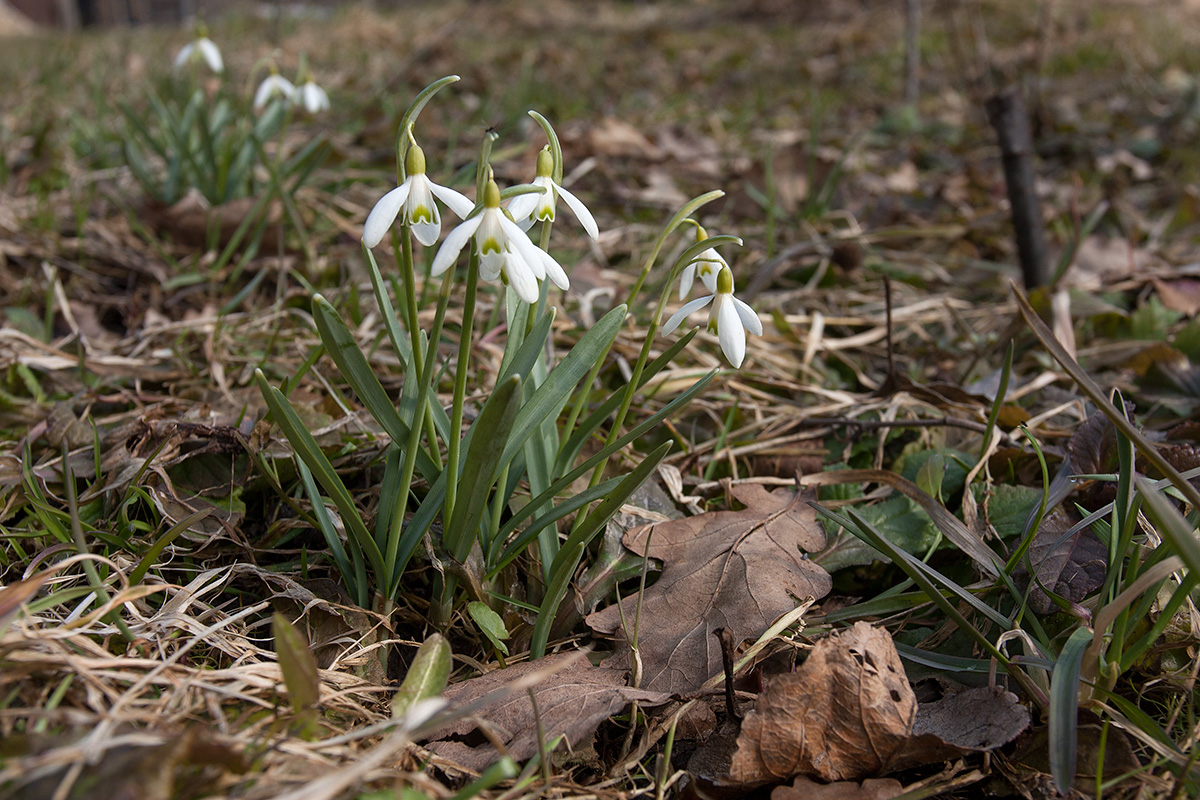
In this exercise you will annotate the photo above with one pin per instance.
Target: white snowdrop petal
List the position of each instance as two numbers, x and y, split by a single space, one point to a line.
555 271
455 201
687 279
384 214
521 280
427 233
212 56
730 332
184 54
453 245
748 316
530 253
688 308
581 213
522 207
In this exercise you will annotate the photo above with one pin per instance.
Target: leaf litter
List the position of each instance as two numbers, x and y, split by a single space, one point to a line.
157 354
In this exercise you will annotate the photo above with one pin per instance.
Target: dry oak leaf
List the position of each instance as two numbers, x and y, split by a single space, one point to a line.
841 716
571 701
739 570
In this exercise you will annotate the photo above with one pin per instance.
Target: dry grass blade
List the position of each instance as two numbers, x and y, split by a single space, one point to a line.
1101 400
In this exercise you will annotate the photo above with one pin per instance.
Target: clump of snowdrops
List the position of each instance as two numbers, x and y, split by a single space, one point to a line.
502 488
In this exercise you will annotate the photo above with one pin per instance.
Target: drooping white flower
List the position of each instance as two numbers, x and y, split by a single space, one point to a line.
311 97
527 209
415 198
505 251
201 48
274 85
707 265
729 318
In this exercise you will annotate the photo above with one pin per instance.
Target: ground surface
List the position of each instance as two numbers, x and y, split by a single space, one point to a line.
129 346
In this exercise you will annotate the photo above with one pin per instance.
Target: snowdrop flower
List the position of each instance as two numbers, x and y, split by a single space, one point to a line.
527 209
274 85
729 318
415 198
505 251
201 48
708 265
311 97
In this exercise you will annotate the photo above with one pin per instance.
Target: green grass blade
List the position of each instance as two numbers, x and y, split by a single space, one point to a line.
1171 524
306 447
1064 709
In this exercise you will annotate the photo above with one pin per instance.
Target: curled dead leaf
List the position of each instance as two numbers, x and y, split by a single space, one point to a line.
843 715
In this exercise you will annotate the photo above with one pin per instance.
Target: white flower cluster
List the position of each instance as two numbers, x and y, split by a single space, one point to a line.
507 254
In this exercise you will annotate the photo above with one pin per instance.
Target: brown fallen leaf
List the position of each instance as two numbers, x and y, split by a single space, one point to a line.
1072 566
871 789
844 714
848 713
571 702
1179 294
738 570
967 721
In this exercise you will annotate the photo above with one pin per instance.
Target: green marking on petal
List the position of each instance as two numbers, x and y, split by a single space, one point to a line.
490 245
421 214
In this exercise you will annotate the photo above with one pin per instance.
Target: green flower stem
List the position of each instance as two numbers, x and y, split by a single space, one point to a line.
680 218
460 388
396 528
404 259
644 356
498 500
410 295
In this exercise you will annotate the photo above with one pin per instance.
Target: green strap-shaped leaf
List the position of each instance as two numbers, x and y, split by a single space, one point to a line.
426 677
300 675
491 432
354 367
563 568
350 571
551 396
306 447
570 450
1064 709
514 548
